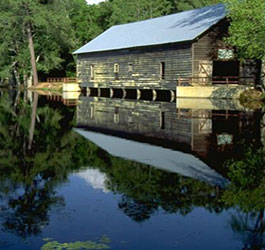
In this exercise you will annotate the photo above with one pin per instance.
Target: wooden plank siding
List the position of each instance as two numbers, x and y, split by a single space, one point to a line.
145 63
205 52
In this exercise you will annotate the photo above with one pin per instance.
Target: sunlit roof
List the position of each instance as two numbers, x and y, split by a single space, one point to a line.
180 27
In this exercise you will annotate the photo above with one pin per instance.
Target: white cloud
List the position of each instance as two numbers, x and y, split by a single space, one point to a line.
94 1
94 178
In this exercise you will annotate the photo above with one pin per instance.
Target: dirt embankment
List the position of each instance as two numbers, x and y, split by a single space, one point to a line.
56 86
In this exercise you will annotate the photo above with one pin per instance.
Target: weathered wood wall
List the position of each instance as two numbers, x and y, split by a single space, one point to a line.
202 56
205 51
145 63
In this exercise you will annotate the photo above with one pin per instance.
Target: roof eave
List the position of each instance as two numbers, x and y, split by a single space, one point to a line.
135 47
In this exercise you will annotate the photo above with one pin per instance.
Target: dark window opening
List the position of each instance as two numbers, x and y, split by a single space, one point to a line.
225 72
116 71
92 112
130 68
92 72
162 70
116 76
116 115
116 68
162 120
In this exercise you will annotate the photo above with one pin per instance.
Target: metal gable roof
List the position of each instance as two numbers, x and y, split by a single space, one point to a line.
180 27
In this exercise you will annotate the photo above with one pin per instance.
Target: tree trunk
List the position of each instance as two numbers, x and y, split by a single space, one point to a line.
32 57
33 120
17 77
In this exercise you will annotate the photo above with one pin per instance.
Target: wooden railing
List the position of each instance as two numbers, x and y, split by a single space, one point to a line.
184 81
62 80
210 115
58 98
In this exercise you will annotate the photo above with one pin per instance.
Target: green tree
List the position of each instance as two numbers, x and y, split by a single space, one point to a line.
125 11
21 22
181 5
88 21
247 29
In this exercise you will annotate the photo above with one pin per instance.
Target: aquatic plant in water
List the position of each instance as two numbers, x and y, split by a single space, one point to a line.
77 245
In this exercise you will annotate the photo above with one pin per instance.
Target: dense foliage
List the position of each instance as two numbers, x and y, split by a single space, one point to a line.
46 22
247 29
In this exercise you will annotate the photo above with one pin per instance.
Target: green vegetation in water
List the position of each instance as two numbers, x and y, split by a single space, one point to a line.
78 245
252 99
251 95
102 243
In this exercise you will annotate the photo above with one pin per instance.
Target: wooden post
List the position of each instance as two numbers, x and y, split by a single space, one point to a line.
138 91
123 93
111 94
154 94
88 91
172 96
178 113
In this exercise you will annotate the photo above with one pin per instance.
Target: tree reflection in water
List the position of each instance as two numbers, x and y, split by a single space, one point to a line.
30 173
29 178
246 193
249 227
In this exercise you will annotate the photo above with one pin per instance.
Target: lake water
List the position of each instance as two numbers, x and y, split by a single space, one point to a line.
105 173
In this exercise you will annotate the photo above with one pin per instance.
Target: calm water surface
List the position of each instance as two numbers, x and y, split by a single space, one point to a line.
103 173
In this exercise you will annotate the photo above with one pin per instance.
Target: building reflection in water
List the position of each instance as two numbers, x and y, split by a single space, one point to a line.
212 135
